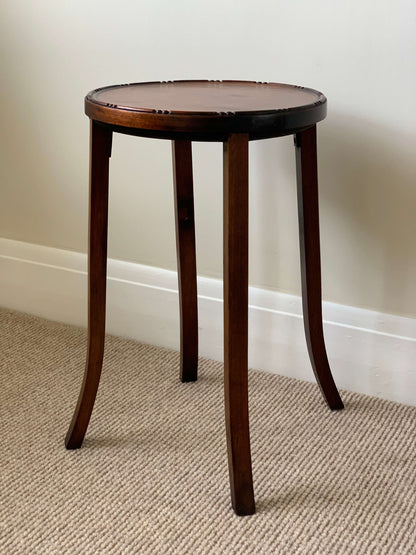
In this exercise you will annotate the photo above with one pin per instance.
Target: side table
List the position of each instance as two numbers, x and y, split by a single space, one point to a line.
233 112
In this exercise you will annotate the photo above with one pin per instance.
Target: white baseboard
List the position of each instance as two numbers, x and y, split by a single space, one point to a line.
369 352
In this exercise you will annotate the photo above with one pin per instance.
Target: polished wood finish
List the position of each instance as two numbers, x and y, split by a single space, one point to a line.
207 110
100 147
310 258
233 112
205 97
236 322
185 248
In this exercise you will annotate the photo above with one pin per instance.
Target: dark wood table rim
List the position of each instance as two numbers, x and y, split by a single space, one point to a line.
206 125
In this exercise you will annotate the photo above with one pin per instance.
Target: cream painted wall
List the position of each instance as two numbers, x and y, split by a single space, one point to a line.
360 54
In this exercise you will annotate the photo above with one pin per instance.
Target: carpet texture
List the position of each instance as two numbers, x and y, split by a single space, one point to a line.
152 475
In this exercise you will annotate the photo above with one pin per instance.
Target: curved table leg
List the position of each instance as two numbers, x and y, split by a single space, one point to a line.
97 264
236 322
185 248
307 186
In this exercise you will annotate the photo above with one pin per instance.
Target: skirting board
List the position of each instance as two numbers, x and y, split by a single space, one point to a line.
369 352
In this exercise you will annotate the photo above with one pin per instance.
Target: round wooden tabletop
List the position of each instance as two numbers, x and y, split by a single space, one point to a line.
206 110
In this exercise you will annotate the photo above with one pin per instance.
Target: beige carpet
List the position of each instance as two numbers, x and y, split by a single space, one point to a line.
152 475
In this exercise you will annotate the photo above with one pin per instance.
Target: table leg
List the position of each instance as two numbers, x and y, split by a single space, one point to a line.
97 266
236 322
185 248
307 186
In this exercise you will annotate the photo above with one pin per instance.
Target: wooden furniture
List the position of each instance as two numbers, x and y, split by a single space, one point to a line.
233 112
